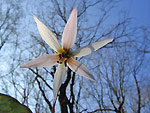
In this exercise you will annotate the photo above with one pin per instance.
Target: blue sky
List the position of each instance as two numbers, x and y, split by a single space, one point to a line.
138 9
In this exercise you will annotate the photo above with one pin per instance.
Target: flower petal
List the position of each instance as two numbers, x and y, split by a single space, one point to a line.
42 61
70 31
47 35
58 78
79 68
86 50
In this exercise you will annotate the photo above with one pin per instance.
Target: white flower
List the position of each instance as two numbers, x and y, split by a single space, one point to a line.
64 55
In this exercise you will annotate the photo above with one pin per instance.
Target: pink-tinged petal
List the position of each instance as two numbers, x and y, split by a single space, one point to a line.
79 68
47 35
86 50
42 61
58 78
70 31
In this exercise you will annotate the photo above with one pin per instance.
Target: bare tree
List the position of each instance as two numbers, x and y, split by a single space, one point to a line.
10 14
117 67
8 23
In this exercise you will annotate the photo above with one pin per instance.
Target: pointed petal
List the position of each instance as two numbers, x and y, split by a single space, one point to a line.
70 31
47 35
58 78
42 61
86 50
79 68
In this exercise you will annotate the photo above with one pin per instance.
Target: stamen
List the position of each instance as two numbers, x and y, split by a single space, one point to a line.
60 56
63 57
65 62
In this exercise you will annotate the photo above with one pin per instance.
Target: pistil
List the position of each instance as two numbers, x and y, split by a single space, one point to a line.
63 57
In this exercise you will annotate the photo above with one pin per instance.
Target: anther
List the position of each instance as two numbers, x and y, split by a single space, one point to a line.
65 63
60 56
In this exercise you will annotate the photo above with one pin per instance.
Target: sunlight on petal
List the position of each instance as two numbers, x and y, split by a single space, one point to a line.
79 68
42 61
70 31
47 35
58 78
86 50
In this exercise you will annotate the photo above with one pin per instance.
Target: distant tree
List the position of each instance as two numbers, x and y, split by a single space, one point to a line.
10 15
116 67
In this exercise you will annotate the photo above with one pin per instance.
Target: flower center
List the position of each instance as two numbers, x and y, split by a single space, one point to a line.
63 57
